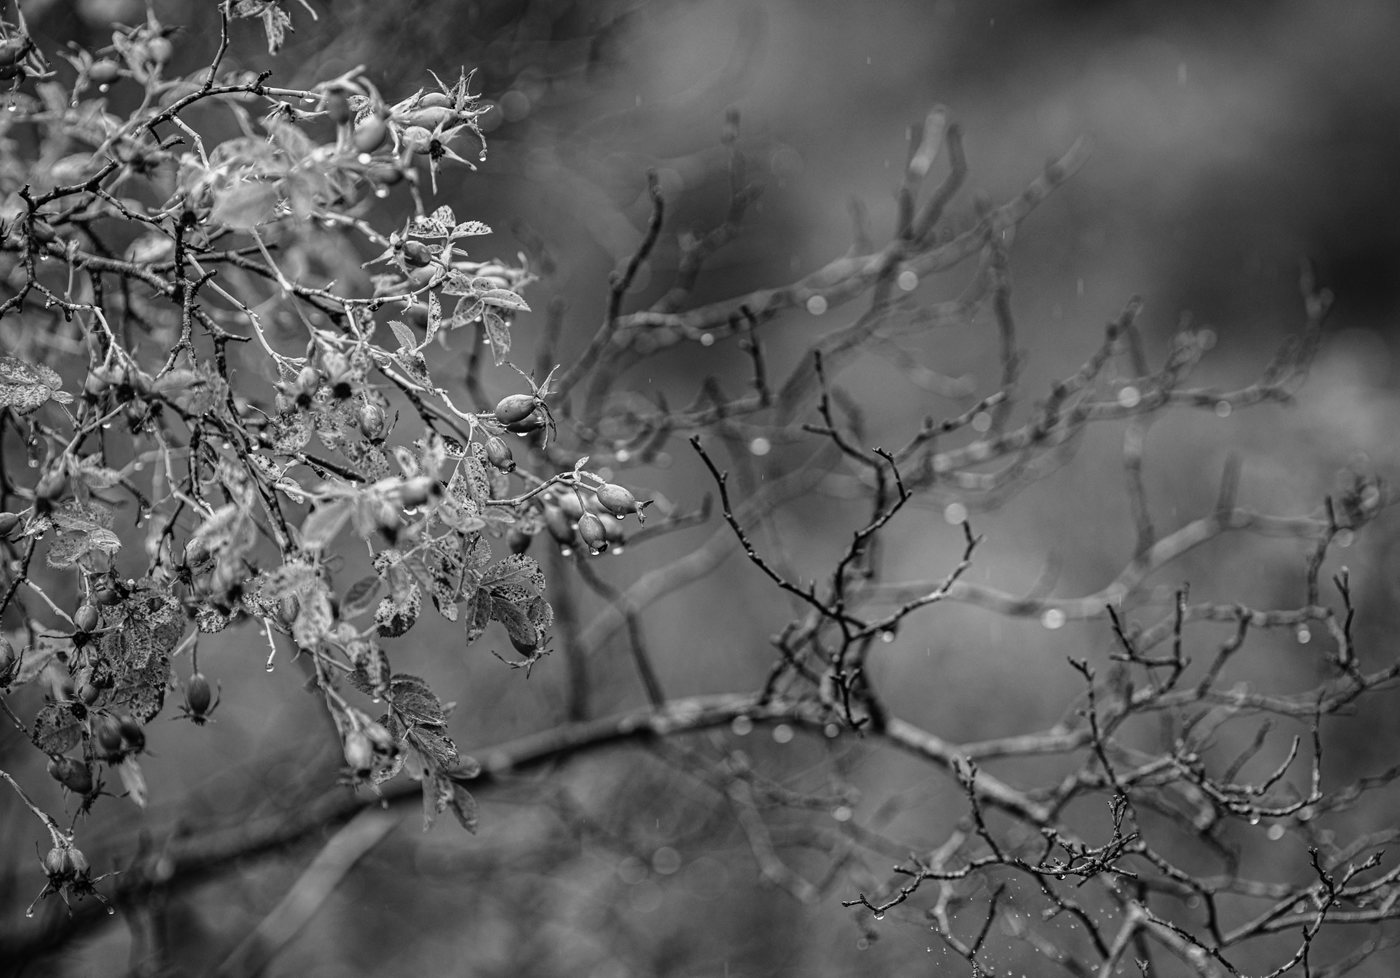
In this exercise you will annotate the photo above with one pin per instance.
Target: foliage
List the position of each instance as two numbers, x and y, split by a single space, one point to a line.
212 438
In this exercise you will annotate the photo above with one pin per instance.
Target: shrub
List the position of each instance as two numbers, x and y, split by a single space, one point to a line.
219 406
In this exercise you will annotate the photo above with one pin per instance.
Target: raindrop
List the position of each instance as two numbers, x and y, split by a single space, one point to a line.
1254 819
742 726
1304 636
1130 397
782 734
30 911
760 446
842 813
104 88
1223 409
1053 618
880 915
816 305
13 108
908 280
955 513
1275 832
887 637
364 159
381 192
566 551
981 421
707 339
617 550
111 911
594 552
481 157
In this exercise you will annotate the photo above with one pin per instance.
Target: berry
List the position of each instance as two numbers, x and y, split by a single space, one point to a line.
618 500
72 773
160 50
594 534
86 618
370 134
498 454
385 175
359 752
558 526
434 100
198 696
431 117
52 486
104 71
372 420
12 49
418 140
525 646
518 540
417 253
527 424
515 407
420 277
337 108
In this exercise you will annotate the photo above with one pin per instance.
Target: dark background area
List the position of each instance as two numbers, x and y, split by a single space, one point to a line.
1232 141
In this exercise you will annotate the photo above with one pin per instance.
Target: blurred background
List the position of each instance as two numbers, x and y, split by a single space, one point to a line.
1231 142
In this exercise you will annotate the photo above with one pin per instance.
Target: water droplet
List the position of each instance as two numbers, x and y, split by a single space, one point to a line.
381 192
1053 618
1275 832
481 157
1223 409
617 550
955 513
594 552
707 339
364 159
30 911
908 280
104 88
842 813
741 726
887 636
1304 636
1254 819
880 915
111 911
760 446
1129 397
566 551
13 108
981 421
816 305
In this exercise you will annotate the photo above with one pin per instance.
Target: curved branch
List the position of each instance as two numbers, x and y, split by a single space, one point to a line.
195 856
